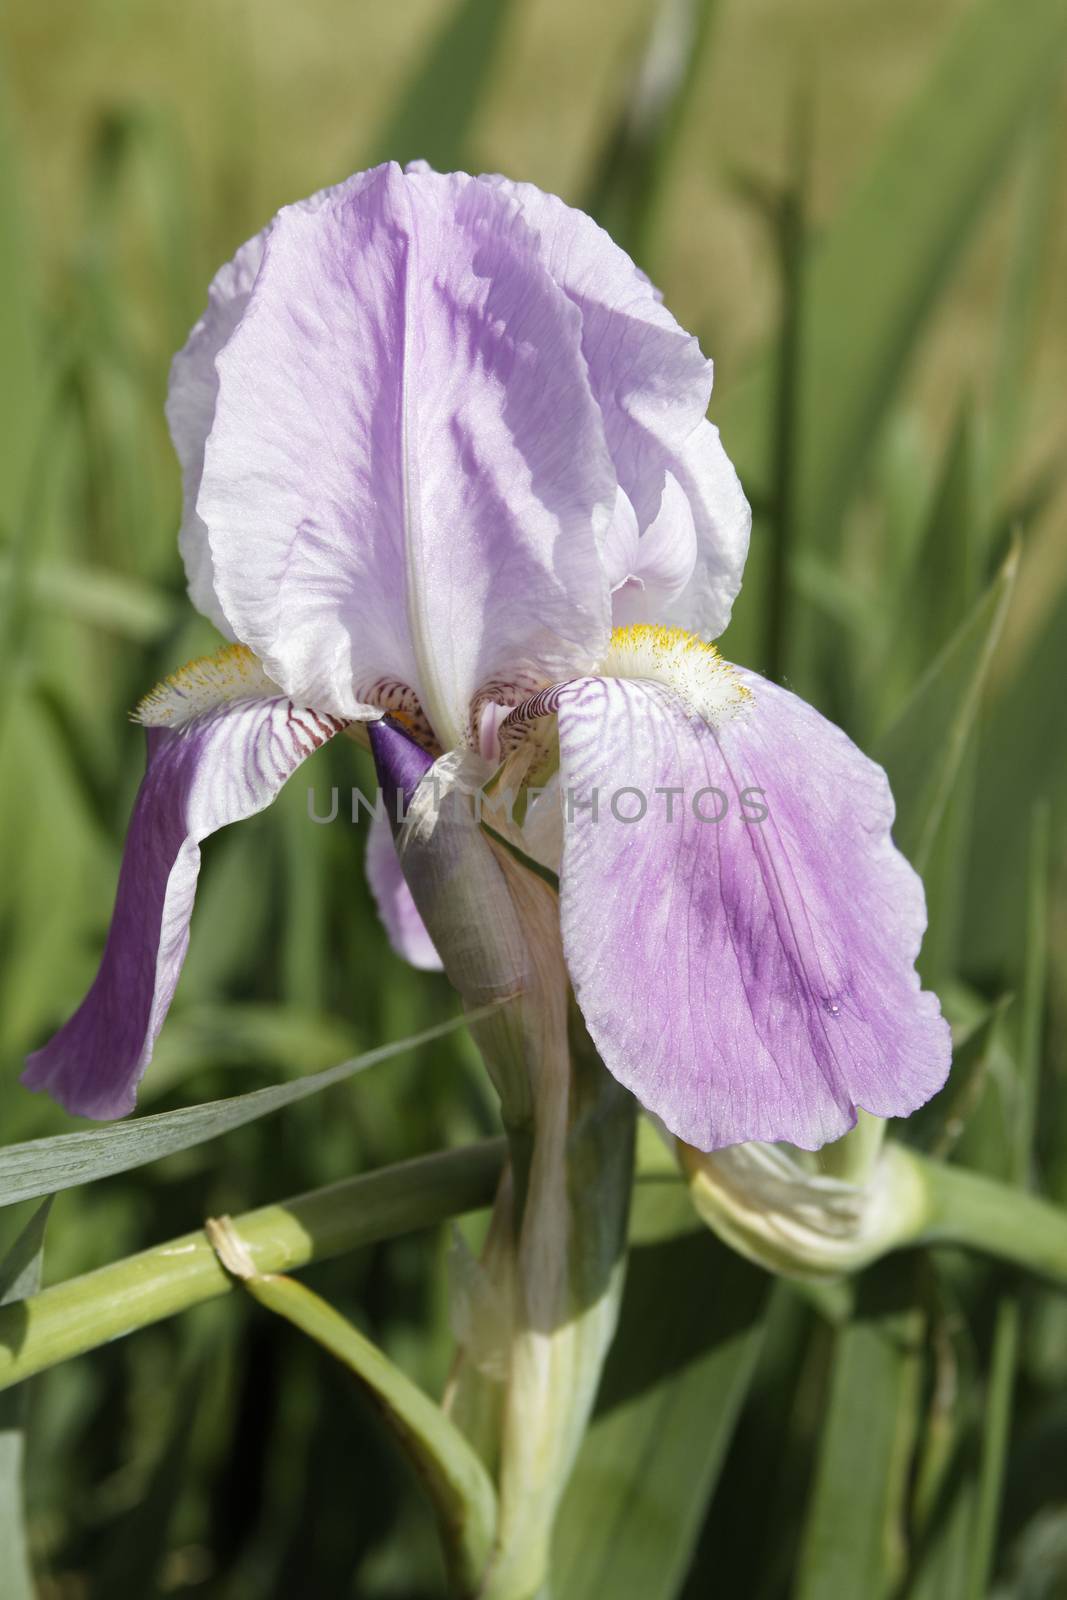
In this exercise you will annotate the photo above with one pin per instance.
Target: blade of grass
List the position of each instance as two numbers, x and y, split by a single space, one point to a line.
43 1166
853 1540
937 1126
888 254
1022 297
788 411
628 193
458 1485
943 1498
673 1386
433 117
73 1317
923 749
20 1276
111 601
132 1565
21 395
996 1428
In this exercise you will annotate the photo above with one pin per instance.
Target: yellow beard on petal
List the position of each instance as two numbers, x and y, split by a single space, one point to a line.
232 673
694 670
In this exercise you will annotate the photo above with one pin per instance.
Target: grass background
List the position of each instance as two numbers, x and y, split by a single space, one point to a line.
139 145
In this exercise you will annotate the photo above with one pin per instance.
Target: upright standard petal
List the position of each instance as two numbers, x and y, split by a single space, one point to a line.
743 953
191 395
653 385
406 477
190 408
222 745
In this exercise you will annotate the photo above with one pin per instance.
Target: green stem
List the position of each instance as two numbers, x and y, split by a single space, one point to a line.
76 1316
854 1156
965 1208
458 1485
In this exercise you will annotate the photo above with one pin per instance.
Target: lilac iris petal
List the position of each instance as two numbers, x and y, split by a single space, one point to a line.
653 385
191 409
406 475
663 561
746 980
224 765
192 394
405 928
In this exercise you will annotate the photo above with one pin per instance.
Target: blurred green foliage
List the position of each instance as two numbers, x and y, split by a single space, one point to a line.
859 207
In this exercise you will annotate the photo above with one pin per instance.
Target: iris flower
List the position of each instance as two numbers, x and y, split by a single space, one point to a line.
446 460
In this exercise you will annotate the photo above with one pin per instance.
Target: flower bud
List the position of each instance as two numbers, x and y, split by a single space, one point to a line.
768 1206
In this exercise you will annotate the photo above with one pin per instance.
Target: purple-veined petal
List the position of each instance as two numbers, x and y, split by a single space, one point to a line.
190 410
231 744
663 561
621 542
653 384
406 929
406 478
191 395
745 979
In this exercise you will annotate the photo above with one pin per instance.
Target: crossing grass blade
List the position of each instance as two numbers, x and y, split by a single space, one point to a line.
43 1166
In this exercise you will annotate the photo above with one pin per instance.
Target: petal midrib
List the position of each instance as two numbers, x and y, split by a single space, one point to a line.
432 696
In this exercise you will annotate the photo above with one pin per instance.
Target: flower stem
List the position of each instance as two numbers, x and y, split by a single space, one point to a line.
855 1156
91 1310
979 1213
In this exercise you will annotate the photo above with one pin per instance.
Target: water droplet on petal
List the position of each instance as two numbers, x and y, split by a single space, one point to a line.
832 1007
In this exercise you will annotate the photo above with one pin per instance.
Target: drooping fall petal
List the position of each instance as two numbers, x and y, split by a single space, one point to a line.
746 978
231 743
406 929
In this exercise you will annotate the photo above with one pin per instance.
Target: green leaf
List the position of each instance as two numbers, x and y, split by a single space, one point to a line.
455 1479
433 116
943 1498
43 1166
674 1384
1023 754
628 192
1033 988
20 1276
938 1125
21 395
111 601
853 1540
924 747
20 1270
1000 1394
131 1565
72 1317
888 254
945 578
1021 325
